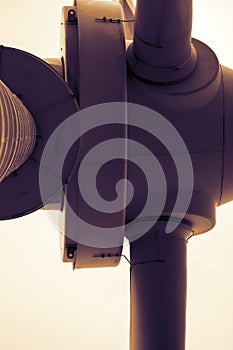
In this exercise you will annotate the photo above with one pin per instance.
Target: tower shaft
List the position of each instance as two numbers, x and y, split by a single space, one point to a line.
162 51
158 290
163 29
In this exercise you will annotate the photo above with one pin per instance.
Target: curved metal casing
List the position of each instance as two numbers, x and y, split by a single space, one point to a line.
98 75
187 106
180 79
227 173
200 109
50 101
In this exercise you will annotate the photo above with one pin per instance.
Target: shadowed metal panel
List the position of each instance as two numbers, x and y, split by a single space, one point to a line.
50 101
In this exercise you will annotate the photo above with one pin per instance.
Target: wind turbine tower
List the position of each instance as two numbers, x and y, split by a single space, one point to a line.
128 135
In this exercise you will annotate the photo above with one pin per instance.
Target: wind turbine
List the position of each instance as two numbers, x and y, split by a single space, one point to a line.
156 74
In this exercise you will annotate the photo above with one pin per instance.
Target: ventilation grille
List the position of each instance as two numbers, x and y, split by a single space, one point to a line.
17 132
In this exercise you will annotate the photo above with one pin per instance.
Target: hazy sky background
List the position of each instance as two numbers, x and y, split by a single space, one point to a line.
43 303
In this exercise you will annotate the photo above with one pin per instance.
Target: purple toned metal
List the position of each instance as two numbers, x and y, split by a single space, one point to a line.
227 178
187 106
17 132
98 75
98 80
164 28
69 48
50 102
200 107
158 289
197 109
190 90
162 50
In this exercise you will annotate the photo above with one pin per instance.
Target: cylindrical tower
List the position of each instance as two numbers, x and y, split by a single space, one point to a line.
163 31
158 289
161 50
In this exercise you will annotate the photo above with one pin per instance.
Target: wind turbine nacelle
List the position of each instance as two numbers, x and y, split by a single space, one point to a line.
198 106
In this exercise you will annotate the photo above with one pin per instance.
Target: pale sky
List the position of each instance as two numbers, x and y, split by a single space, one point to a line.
43 303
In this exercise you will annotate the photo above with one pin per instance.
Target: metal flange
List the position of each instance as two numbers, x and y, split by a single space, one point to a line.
100 77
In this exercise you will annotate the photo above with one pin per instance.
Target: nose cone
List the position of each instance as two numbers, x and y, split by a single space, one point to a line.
17 132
